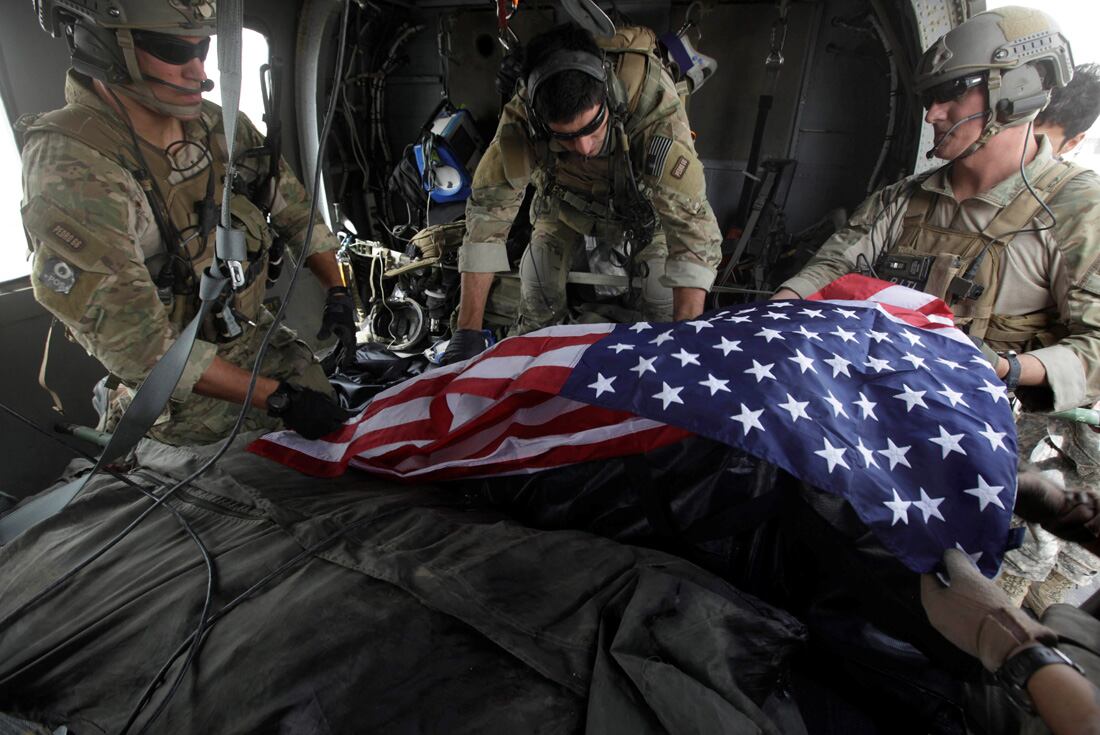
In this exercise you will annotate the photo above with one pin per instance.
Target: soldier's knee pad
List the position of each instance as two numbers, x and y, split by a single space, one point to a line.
542 275
542 287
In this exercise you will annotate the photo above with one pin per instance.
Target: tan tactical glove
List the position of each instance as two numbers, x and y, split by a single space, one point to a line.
976 615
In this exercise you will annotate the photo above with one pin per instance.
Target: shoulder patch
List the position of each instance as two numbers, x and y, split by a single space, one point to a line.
49 222
656 154
65 235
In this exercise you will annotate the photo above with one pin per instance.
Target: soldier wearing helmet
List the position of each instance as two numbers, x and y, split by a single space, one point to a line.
1007 235
122 189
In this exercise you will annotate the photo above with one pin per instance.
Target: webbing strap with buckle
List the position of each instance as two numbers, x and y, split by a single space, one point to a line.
148 403
577 202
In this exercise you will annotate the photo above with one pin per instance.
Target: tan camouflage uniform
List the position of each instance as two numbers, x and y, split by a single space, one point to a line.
1049 279
93 233
684 252
1045 567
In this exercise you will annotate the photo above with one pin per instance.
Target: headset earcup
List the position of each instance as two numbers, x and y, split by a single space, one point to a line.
535 128
1022 94
96 54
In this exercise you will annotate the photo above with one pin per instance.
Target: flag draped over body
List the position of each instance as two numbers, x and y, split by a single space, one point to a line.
868 392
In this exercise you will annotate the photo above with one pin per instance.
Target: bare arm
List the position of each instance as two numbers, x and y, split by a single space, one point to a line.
1068 702
687 303
784 293
475 294
1032 370
225 381
326 269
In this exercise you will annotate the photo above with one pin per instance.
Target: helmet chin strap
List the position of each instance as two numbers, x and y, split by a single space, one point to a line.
140 89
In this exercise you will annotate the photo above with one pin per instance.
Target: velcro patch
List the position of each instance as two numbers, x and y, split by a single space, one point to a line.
89 249
59 276
679 167
655 157
63 234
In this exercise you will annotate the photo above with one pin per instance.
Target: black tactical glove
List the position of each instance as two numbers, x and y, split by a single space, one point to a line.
465 343
511 68
339 318
305 411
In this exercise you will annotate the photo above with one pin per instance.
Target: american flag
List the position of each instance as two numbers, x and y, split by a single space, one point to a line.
867 391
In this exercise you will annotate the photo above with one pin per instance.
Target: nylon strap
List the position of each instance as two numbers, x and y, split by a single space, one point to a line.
42 369
772 65
140 416
230 20
230 244
155 392
1018 329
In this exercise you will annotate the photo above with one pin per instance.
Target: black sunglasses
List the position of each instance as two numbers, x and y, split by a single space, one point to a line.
171 49
951 90
592 126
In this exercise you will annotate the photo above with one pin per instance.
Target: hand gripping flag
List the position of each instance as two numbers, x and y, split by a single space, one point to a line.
868 391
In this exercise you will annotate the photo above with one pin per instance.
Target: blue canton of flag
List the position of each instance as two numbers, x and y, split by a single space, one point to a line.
909 424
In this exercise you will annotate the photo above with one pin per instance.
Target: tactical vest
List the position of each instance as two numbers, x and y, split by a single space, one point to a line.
180 200
954 254
589 192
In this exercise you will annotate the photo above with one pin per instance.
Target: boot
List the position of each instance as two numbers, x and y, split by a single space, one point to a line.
1050 591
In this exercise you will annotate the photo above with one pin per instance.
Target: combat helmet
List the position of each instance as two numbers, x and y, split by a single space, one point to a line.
1021 52
100 34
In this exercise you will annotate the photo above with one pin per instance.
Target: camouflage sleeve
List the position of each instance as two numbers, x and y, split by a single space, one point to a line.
875 224
85 216
672 175
496 194
290 202
1073 363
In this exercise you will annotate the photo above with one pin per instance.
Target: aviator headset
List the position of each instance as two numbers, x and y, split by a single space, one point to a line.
555 63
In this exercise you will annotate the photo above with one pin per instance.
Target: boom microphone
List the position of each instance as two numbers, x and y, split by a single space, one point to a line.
206 85
932 151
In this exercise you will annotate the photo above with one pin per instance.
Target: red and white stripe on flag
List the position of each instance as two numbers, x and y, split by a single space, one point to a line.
900 303
498 413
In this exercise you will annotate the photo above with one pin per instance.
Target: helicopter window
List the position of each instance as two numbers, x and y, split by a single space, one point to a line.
13 257
254 54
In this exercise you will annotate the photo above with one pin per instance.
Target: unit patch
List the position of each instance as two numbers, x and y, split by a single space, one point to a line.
679 168
58 275
656 154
